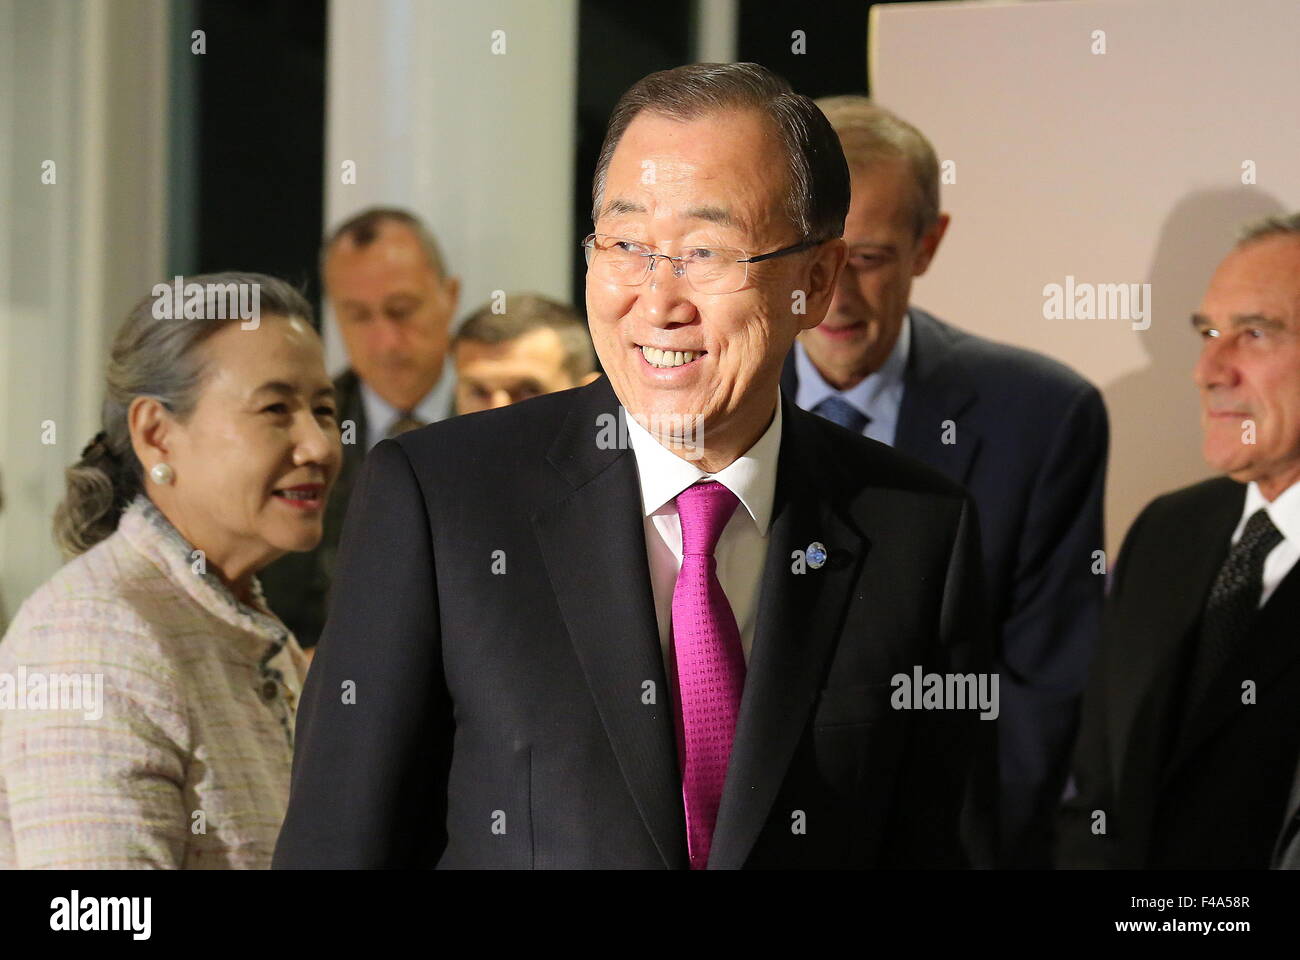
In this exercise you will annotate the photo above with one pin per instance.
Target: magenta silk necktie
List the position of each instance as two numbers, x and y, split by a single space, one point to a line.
710 663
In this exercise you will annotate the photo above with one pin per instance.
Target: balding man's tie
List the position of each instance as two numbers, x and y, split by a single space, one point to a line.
710 663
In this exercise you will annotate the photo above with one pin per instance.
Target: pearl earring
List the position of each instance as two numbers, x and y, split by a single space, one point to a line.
162 473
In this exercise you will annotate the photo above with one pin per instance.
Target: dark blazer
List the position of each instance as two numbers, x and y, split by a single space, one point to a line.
1031 442
1286 856
1213 792
520 718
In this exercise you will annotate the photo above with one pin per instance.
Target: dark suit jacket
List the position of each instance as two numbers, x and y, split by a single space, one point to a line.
1211 793
1032 437
521 718
1286 855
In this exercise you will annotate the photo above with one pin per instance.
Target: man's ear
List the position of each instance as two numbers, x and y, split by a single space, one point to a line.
151 427
929 243
823 274
451 289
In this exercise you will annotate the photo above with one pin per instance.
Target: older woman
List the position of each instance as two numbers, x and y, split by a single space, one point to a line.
154 727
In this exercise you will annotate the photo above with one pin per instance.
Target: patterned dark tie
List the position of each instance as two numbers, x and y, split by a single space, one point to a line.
838 410
1232 606
407 421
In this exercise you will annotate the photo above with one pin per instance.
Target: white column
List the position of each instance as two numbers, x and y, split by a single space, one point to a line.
464 114
715 30
83 86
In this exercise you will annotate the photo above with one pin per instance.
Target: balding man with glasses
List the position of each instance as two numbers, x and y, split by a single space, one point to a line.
667 620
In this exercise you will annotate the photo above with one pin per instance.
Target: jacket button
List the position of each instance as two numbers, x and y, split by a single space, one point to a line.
269 690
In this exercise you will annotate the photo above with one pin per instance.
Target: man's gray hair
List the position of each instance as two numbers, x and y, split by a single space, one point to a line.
869 133
1278 226
817 200
363 228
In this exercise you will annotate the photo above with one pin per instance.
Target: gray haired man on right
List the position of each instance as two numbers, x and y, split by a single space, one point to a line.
1191 719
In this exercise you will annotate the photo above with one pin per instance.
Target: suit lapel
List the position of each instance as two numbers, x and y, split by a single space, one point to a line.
790 377
347 388
799 621
1268 652
936 389
1145 692
600 575
347 392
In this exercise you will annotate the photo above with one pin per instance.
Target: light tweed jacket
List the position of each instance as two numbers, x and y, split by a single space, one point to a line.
188 765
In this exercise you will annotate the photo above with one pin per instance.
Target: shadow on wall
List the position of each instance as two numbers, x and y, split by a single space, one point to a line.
1155 412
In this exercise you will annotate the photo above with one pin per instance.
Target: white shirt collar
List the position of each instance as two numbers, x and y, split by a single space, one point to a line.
1284 511
751 476
436 405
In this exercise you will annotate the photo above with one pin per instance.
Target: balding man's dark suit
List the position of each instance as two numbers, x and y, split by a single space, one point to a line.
493 619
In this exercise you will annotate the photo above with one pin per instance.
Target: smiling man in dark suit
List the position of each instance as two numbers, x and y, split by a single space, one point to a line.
1191 720
657 621
1024 434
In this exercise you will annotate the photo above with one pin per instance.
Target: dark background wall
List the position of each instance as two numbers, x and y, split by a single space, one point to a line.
618 44
249 139
248 116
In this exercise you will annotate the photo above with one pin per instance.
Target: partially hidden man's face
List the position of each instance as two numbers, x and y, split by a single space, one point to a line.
492 375
394 311
718 180
885 254
1248 372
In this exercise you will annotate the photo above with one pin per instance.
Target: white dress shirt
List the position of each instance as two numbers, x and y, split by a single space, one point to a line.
742 547
1284 511
878 397
436 405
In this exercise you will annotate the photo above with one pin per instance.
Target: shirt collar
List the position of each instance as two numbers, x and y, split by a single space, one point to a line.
864 397
751 476
1284 511
436 405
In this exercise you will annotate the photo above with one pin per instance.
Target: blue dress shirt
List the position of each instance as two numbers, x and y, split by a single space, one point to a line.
879 396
